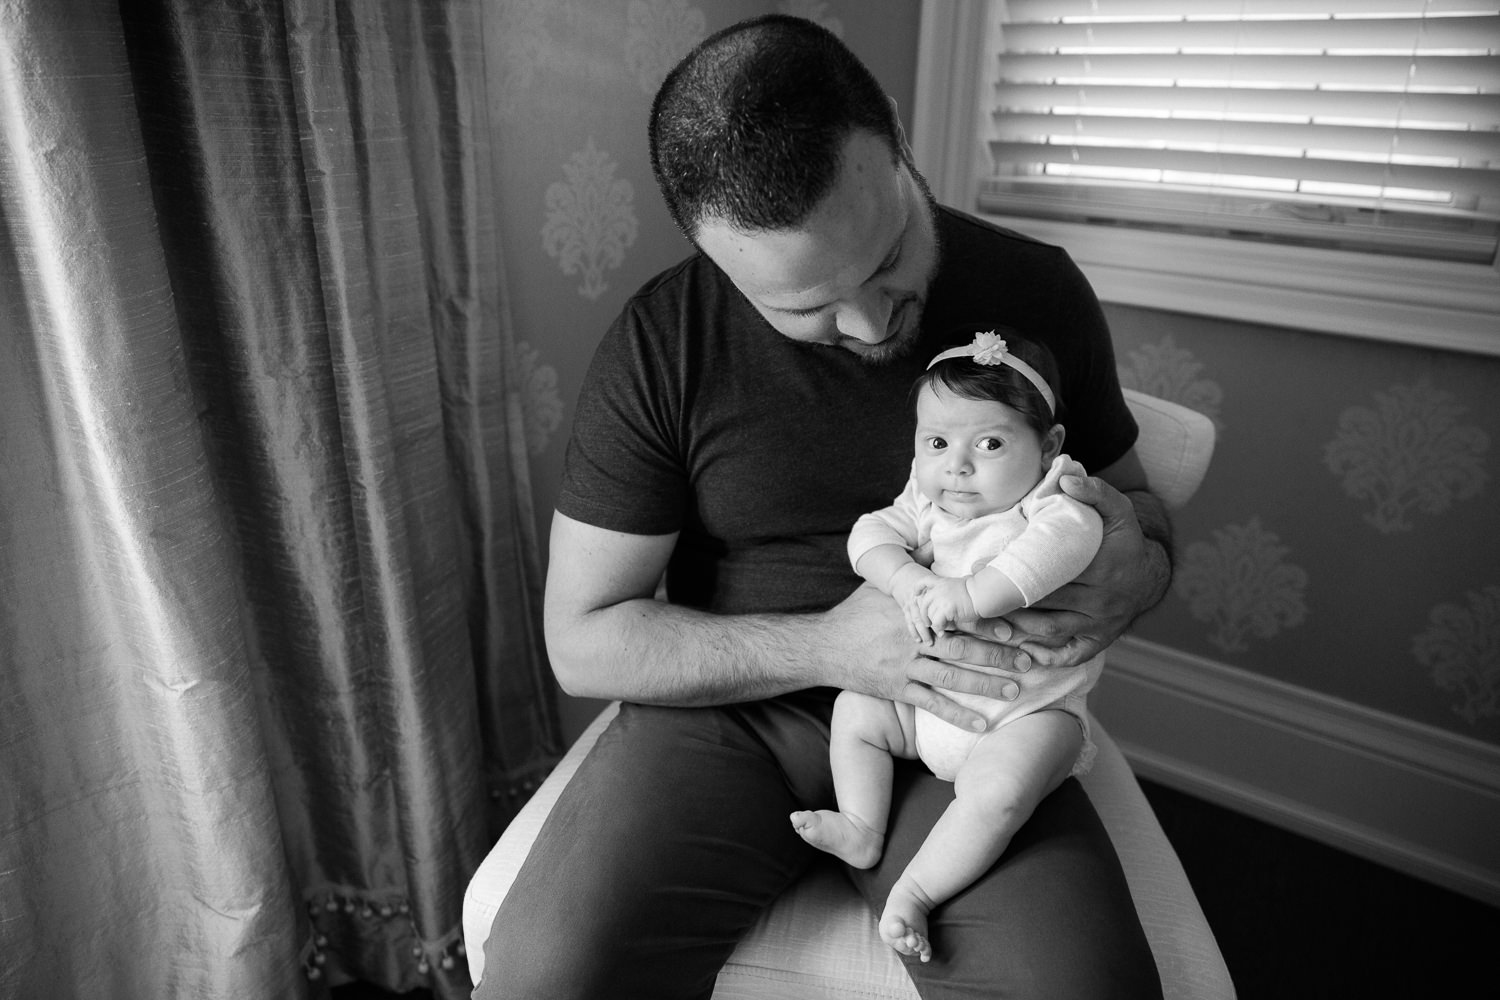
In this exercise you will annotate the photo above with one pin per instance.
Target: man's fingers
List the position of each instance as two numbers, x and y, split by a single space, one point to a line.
959 647
1047 628
983 681
946 709
1108 501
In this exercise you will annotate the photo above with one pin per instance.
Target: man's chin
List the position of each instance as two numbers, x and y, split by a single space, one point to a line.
899 345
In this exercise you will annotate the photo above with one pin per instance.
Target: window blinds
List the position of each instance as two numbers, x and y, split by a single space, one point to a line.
1366 124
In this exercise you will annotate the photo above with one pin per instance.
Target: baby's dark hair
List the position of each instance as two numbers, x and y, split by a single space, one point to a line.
965 377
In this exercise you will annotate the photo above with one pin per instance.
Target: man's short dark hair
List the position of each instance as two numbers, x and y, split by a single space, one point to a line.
750 127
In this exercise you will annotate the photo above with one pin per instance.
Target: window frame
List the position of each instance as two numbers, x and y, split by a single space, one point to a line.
1454 306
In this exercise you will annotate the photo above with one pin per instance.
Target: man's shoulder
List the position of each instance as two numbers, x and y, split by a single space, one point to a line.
690 276
961 230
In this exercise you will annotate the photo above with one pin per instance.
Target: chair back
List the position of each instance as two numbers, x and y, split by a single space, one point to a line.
1174 446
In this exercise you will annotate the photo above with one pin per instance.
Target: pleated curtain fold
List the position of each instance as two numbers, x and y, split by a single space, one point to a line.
269 580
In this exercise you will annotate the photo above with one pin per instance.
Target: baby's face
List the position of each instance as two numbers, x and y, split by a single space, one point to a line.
976 456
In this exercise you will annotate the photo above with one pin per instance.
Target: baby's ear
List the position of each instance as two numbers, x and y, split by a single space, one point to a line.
1052 443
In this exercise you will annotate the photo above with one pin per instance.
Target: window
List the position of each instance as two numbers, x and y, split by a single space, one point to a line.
1343 154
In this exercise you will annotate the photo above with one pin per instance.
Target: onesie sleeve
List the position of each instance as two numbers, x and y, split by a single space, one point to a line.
902 523
1060 538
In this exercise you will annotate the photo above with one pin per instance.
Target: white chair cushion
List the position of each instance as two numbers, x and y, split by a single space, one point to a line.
819 940
1174 446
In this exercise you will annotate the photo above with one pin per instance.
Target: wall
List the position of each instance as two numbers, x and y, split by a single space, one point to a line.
1347 537
582 225
1329 656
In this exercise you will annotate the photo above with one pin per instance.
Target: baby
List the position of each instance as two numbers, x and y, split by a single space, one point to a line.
983 505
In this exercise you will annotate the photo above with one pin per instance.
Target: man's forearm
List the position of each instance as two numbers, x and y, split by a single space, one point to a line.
1156 528
655 653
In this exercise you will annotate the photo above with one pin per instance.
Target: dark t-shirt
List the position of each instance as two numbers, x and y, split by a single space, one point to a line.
697 417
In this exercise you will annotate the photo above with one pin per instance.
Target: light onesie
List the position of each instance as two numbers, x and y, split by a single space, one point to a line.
1045 540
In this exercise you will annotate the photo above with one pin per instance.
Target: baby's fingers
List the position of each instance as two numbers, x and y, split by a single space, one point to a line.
916 624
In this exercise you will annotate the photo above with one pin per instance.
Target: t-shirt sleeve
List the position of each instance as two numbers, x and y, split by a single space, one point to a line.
1100 426
623 468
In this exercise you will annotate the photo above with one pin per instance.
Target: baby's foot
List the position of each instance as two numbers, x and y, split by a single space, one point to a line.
903 925
842 836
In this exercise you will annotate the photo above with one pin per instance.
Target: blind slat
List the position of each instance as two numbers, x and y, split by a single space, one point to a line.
1394 35
1045 10
1472 182
1479 111
1046 198
1351 139
1389 72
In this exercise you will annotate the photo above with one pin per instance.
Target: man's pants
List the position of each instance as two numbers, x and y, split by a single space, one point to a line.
674 835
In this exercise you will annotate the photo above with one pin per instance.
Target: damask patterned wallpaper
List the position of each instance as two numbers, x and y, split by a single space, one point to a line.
1347 538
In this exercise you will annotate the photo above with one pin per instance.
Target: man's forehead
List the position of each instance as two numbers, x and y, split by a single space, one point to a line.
841 246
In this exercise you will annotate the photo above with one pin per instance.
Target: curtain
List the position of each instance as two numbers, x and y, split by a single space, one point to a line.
269 582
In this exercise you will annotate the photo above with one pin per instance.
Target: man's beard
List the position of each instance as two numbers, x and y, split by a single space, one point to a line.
896 346
903 342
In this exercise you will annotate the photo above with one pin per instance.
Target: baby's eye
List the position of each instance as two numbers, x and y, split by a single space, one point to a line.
989 444
937 443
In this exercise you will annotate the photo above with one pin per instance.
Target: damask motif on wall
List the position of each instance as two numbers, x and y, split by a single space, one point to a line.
1170 372
590 219
1461 651
1408 453
541 406
523 41
1242 585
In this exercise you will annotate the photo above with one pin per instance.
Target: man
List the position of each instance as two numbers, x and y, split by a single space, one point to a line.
744 409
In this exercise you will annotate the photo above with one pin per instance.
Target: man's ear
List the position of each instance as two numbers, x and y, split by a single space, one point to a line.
1052 443
901 131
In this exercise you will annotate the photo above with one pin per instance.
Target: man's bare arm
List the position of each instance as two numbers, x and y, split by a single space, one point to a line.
608 638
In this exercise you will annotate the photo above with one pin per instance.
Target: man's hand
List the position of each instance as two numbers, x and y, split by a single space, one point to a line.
1128 575
878 657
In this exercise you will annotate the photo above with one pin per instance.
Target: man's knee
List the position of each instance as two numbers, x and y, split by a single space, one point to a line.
535 951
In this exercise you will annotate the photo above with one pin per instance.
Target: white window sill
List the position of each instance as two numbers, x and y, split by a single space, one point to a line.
1450 306
1410 301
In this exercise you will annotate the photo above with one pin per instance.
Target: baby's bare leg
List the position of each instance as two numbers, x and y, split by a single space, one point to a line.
866 732
996 790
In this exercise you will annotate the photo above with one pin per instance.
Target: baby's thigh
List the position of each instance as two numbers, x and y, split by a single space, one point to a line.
889 725
1019 764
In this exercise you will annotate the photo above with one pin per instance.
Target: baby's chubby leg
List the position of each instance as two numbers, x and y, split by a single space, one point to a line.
995 791
865 733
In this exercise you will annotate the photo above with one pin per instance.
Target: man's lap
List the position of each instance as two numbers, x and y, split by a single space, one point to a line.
1054 917
673 836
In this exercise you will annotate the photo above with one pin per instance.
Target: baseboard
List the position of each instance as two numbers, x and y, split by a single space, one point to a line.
1410 796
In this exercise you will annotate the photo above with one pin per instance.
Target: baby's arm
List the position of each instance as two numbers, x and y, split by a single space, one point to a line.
1060 539
891 568
881 548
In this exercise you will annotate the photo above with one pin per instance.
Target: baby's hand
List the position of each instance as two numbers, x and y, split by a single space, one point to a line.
908 582
945 604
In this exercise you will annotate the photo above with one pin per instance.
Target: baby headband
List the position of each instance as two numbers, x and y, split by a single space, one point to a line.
989 349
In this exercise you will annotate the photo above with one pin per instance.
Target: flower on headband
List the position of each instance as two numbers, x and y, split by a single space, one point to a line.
989 348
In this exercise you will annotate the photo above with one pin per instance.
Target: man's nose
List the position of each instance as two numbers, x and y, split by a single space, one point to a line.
865 317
